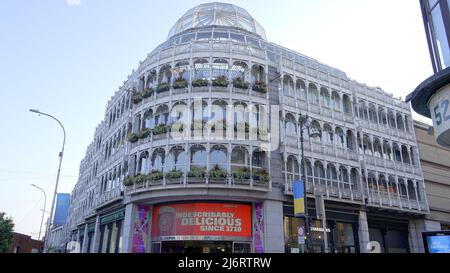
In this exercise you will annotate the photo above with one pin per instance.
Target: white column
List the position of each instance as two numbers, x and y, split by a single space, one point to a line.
363 232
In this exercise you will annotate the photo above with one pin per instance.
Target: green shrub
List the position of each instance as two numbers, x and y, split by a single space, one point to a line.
199 83
196 172
148 92
180 83
133 138
260 86
144 133
155 176
239 83
261 176
140 179
220 81
163 87
242 174
174 174
136 97
159 130
128 181
217 172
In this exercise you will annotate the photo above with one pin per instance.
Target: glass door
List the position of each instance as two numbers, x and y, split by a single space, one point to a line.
242 247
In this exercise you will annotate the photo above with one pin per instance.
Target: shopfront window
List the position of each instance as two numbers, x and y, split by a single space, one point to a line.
291 241
345 238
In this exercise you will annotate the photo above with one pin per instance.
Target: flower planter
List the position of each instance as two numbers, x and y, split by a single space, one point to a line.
163 87
199 83
180 84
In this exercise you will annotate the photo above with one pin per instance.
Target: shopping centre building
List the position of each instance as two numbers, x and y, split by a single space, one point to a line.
199 148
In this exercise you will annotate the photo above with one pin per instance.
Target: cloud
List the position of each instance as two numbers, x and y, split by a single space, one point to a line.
73 2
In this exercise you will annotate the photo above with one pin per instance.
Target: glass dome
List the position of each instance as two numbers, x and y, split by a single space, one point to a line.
217 14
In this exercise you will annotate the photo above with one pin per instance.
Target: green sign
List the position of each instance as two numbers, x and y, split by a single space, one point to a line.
91 227
112 217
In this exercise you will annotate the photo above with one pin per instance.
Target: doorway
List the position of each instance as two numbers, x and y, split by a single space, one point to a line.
201 247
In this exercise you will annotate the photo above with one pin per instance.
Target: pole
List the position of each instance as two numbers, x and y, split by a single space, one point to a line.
43 211
302 123
47 232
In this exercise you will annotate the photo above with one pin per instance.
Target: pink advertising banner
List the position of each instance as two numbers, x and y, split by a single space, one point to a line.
258 236
141 229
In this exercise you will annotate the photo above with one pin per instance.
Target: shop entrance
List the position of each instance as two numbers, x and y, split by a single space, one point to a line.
204 247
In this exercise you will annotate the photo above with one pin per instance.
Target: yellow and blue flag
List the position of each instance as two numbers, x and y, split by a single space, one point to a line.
299 197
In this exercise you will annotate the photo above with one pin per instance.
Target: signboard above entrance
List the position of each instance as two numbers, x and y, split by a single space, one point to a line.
202 219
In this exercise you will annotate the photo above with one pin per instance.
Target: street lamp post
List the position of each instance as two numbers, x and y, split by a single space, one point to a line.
43 210
304 123
57 176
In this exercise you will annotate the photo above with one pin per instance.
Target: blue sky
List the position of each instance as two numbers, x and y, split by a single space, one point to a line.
68 59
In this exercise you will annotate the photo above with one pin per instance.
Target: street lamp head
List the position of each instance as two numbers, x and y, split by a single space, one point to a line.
35 111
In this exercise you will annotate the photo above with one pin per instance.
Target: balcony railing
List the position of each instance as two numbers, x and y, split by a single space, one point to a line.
196 182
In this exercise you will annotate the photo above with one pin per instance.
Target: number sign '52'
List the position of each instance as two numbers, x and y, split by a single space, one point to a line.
439 106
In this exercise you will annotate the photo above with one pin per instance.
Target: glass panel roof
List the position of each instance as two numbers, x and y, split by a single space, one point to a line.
217 14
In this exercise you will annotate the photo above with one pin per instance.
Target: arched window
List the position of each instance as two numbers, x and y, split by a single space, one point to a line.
325 97
339 139
336 101
315 128
405 155
328 134
149 122
176 159
288 86
400 124
391 119
367 144
258 73
332 176
165 74
291 129
347 104
377 148
151 79
143 163
162 115
344 177
198 157
220 68
351 140
218 157
239 70
319 173
313 95
239 158
259 160
292 169
182 70
382 116
387 151
201 69
301 90
158 160
373 113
